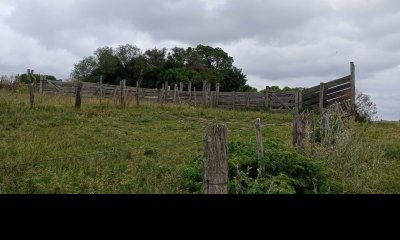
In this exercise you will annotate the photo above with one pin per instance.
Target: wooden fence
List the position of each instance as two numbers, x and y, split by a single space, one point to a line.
273 101
321 96
324 95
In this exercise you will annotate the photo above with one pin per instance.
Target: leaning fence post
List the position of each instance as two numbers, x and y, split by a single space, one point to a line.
260 148
216 160
78 97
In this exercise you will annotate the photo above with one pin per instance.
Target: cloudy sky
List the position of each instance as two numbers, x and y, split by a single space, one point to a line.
275 42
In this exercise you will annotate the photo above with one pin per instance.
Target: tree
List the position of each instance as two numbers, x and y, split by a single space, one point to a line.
365 108
108 65
85 68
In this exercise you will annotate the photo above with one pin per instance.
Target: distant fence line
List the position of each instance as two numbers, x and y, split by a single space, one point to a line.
318 97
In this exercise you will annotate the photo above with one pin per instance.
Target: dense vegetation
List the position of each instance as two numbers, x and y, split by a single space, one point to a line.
155 66
56 148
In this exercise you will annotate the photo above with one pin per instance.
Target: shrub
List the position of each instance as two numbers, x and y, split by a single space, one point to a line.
365 108
281 171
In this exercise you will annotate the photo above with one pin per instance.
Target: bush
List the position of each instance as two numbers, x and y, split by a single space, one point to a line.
355 163
281 171
365 108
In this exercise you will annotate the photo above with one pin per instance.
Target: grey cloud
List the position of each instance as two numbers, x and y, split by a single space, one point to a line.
286 43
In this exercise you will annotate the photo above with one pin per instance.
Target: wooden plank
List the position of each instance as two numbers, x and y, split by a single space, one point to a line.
346 92
336 82
311 90
338 88
311 101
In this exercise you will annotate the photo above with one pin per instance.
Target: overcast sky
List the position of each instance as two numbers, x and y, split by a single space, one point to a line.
275 42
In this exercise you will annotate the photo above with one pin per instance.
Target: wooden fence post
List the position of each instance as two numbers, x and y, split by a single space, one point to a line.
216 160
208 95
233 99
260 148
122 93
101 88
166 91
267 97
180 87
31 88
137 92
299 129
175 92
41 85
195 96
248 100
190 92
204 93
312 132
353 88
78 97
217 95
321 97
300 100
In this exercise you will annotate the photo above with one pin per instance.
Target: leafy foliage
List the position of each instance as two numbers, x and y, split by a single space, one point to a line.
281 171
365 108
155 66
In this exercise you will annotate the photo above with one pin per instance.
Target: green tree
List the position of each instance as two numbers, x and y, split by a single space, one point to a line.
85 68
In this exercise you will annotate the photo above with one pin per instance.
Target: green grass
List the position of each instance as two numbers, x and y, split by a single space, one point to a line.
56 148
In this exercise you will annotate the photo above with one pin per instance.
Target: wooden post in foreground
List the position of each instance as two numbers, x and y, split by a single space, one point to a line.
216 160
260 147
78 97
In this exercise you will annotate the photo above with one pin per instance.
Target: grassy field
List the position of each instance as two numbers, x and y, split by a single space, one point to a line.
55 148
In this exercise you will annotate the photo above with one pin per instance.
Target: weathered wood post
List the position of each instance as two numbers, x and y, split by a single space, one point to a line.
216 160
190 92
321 97
233 99
312 132
217 94
300 100
137 92
324 127
101 88
78 97
353 88
31 88
247 100
122 92
166 88
260 147
267 89
175 92
204 93
181 87
195 96
208 95
41 85
299 129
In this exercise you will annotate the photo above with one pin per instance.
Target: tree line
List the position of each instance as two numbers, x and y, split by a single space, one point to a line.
155 66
